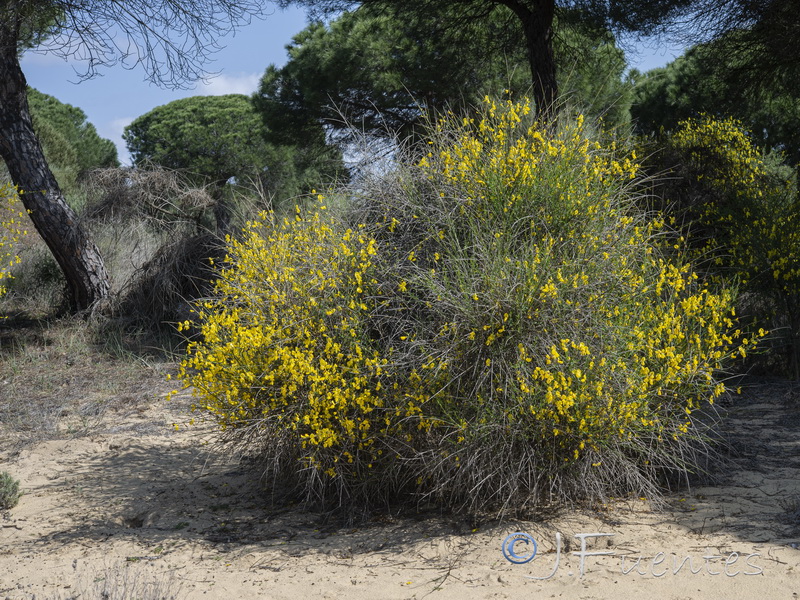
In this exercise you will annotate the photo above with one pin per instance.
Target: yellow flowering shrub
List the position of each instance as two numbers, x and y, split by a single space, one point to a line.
11 231
499 326
556 314
741 215
284 349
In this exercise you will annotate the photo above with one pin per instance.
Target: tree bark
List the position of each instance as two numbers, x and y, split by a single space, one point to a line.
222 209
536 17
75 253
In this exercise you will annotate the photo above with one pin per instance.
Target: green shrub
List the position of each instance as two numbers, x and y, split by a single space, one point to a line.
496 327
739 211
9 491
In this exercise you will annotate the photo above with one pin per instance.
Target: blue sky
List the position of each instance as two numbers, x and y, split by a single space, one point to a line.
114 99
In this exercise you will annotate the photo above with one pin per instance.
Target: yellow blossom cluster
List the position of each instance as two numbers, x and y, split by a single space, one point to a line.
751 217
12 219
498 161
284 345
742 216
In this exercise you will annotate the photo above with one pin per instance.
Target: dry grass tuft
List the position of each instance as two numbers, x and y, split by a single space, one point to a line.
58 382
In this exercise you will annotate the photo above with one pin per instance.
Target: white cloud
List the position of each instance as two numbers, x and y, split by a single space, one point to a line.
112 130
219 85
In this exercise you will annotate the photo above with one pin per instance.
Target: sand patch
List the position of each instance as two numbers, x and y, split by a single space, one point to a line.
138 504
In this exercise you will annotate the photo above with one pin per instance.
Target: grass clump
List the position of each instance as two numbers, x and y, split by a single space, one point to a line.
491 325
9 491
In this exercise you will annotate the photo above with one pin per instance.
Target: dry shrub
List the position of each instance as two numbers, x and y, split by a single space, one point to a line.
153 227
162 198
124 581
161 292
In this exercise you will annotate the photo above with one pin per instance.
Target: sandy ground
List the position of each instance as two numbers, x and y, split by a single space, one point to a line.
135 510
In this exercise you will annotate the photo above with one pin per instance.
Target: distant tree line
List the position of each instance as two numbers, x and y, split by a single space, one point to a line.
380 65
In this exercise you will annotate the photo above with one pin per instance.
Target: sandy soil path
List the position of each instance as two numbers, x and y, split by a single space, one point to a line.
136 510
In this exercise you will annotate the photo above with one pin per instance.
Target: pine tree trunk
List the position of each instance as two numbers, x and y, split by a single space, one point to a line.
222 209
56 222
536 17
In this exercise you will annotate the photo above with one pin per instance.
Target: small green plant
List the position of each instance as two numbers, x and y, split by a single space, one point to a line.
9 491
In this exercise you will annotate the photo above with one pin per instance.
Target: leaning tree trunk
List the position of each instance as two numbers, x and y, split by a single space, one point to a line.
56 222
536 18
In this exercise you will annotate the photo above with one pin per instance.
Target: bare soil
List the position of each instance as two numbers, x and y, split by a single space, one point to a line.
120 504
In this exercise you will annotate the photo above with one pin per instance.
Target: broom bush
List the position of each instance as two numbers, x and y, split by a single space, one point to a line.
739 211
493 324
